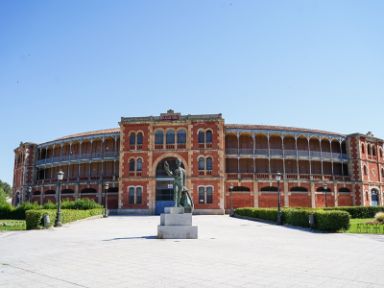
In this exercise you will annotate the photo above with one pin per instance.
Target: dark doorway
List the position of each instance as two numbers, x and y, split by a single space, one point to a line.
164 185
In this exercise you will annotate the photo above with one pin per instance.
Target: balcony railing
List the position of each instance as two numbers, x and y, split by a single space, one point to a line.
76 157
287 153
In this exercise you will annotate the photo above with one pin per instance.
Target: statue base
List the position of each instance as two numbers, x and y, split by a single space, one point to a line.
175 224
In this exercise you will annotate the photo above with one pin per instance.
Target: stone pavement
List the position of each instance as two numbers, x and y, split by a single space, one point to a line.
123 252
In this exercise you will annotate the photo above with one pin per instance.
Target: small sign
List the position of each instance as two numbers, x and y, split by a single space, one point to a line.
170 186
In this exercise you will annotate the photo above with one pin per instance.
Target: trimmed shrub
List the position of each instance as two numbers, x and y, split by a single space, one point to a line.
80 204
5 211
268 214
34 218
49 205
379 217
331 221
297 217
359 211
19 212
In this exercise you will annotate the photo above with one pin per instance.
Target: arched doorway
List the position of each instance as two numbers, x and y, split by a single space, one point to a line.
374 197
164 185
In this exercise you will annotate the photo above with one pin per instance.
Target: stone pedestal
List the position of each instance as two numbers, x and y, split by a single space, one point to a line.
175 224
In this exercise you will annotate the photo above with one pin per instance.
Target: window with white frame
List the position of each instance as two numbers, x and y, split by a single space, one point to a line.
205 194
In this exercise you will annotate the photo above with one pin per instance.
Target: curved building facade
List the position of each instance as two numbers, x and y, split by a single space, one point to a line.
227 165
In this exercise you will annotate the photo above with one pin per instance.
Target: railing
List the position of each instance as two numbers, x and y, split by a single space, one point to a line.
290 153
83 156
287 153
261 152
276 152
246 151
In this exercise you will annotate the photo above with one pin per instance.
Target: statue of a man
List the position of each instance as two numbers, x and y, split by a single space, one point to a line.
180 192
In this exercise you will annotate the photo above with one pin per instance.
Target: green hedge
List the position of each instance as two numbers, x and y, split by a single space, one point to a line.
18 213
297 217
34 218
330 221
359 211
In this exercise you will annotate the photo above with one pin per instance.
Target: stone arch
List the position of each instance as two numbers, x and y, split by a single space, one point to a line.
169 155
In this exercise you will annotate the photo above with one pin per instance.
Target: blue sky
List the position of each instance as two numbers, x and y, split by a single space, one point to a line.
73 66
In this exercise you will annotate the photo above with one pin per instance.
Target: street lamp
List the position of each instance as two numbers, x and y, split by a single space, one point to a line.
106 187
60 177
29 194
230 200
325 190
278 178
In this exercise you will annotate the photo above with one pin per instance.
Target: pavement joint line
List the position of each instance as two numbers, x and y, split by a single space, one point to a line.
44 275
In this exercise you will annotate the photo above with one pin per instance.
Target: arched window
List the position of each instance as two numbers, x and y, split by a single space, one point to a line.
201 137
298 189
139 138
181 136
365 170
344 190
382 172
139 195
381 153
373 150
362 148
241 189
208 137
132 139
132 165
269 189
139 165
170 138
159 137
323 189
369 149
209 163
201 164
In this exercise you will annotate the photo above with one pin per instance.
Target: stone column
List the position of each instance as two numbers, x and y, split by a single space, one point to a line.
256 194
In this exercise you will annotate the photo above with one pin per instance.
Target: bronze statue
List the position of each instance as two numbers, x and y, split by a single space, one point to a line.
180 192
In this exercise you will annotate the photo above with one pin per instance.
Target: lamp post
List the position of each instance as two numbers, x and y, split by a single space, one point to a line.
230 200
29 194
106 187
278 178
325 190
60 177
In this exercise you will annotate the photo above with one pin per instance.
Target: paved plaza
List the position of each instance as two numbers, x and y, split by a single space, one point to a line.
124 252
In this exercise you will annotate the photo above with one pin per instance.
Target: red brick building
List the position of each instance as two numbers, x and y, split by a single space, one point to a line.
222 162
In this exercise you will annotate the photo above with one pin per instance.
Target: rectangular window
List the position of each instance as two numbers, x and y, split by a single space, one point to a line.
131 196
201 195
209 190
139 195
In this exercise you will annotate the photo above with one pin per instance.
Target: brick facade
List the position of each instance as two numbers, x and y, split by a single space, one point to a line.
319 168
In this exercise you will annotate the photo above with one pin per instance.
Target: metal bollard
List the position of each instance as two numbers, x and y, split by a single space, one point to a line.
46 221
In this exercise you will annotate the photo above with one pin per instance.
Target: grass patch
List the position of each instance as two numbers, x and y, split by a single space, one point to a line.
362 226
12 225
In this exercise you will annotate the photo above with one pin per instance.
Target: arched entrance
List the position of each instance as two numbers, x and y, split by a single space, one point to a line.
164 185
374 197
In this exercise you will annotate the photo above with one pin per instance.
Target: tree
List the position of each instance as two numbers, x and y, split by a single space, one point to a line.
3 196
7 189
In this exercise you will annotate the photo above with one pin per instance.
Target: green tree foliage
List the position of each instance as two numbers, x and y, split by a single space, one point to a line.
6 188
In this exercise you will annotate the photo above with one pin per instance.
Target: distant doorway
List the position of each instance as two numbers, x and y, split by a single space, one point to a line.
164 185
